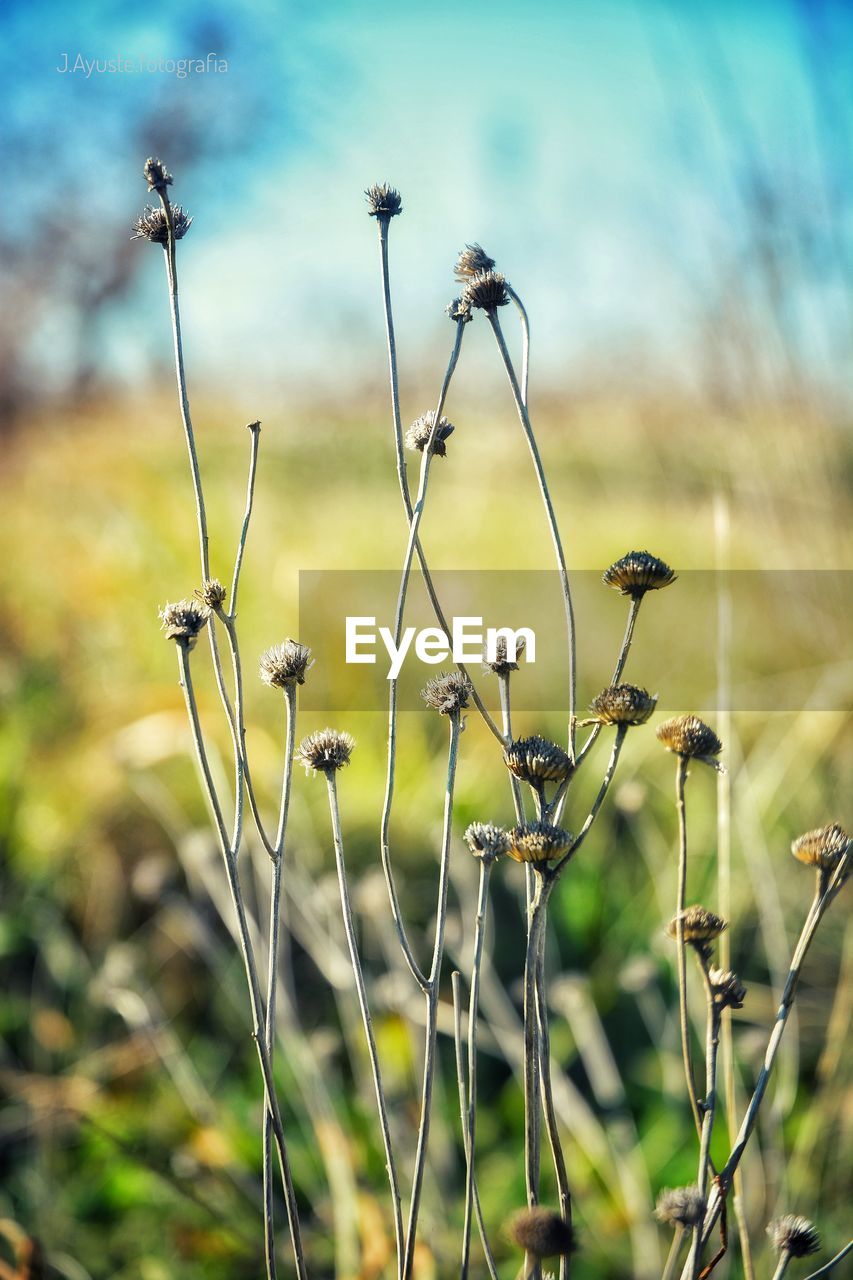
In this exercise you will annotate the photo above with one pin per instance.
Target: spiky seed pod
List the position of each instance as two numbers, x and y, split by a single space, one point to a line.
501 665
636 573
689 736
680 1206
542 1232
538 842
536 760
726 988
183 620
383 202
156 174
486 290
699 926
285 664
325 751
623 704
794 1235
448 693
211 593
486 841
459 310
823 848
418 434
472 261
152 225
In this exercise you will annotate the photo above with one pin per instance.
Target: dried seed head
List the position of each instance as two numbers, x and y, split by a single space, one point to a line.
472 261
698 925
156 174
285 664
536 760
486 841
690 736
501 665
383 202
542 1233
538 842
211 593
325 751
419 433
623 704
823 848
680 1206
183 620
636 573
152 225
794 1235
448 692
486 290
459 310
727 989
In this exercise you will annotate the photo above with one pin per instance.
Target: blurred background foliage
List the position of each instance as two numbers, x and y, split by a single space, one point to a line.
689 177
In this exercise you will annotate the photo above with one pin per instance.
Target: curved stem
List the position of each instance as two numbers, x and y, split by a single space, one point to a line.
672 1256
532 1137
617 671
463 1112
548 1108
473 1012
833 1262
782 1265
681 898
709 1107
615 752
525 341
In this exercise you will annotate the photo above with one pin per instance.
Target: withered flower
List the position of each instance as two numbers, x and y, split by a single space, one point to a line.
538 842
285 664
383 202
501 666
419 433
699 926
156 174
472 261
542 1232
486 841
794 1235
487 290
636 573
680 1206
211 593
448 693
690 737
727 990
626 704
823 848
325 751
153 225
536 760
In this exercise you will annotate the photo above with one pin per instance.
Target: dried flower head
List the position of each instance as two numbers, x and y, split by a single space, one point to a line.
727 990
383 202
156 174
448 692
501 665
325 751
689 736
285 664
419 433
698 925
636 573
486 290
538 842
211 593
459 310
183 620
623 704
680 1206
823 848
486 841
536 760
153 225
542 1232
472 261
794 1235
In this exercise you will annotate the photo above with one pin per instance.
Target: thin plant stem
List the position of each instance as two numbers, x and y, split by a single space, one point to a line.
431 994
615 752
525 341
617 671
352 943
709 1107
833 1262
681 898
524 418
463 1112
674 1250
782 1265
532 1132
473 1013
229 852
548 1109
506 725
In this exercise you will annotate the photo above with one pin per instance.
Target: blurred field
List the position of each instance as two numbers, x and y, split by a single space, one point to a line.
132 1100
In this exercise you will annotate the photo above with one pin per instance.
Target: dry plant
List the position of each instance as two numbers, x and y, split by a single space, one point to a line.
540 774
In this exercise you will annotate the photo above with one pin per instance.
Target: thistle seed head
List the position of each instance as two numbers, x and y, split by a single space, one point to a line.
486 841
325 751
823 848
156 174
727 989
699 926
211 593
472 261
680 1206
542 1233
486 290
152 225
538 842
285 664
183 620
448 693
459 310
383 202
623 704
501 665
419 433
636 573
688 736
794 1235
536 760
